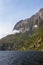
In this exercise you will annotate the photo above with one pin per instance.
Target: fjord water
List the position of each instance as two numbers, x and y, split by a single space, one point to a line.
21 58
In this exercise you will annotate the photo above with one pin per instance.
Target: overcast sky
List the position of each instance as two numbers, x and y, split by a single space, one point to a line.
11 11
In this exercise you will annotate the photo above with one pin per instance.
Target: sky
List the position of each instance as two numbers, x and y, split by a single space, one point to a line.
11 11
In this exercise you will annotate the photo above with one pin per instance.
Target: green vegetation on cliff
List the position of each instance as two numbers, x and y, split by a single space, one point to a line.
24 41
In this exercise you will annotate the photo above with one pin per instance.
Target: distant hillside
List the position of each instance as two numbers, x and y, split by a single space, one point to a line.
30 36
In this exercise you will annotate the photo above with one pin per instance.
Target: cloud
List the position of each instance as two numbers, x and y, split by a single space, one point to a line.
35 26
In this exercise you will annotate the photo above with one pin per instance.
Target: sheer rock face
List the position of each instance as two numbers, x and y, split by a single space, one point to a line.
29 23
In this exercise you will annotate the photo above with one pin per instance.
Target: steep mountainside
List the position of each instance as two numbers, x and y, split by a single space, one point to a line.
29 23
30 36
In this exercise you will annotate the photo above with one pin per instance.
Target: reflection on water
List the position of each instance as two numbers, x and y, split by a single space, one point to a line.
21 58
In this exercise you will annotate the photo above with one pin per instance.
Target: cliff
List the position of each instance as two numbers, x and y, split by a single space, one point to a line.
30 36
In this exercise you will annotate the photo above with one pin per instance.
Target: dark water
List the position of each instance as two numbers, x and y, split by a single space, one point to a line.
21 58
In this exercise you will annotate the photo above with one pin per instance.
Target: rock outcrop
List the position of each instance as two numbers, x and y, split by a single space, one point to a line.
29 23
